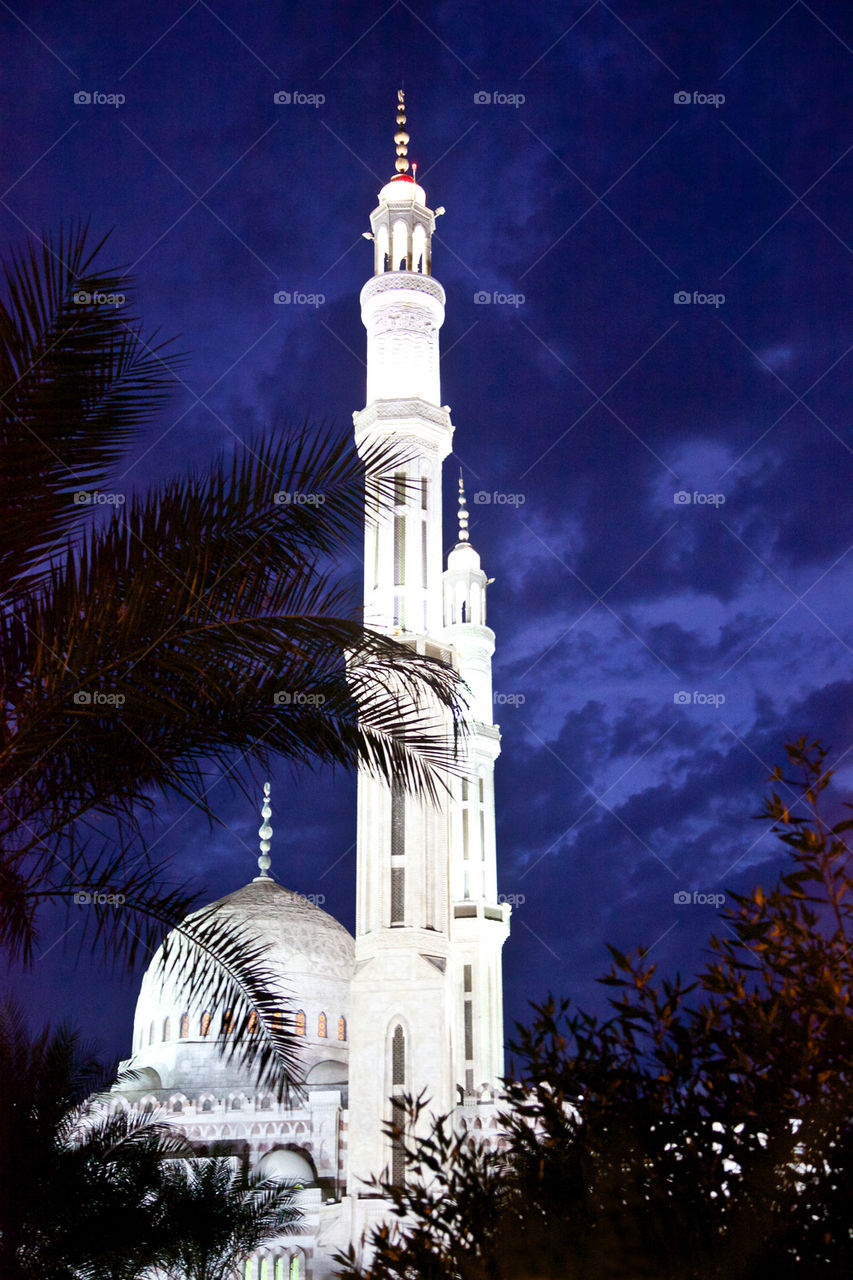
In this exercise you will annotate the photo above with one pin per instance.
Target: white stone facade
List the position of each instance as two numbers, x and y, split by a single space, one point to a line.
414 1001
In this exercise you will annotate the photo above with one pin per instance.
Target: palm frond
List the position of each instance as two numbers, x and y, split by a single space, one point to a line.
76 380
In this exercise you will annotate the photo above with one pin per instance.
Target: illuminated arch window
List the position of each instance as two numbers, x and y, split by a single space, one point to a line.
204 1023
294 1271
227 1022
167 1028
382 249
322 1026
265 1269
419 248
399 247
279 1268
278 1020
249 1269
300 1022
185 1026
252 1024
342 1028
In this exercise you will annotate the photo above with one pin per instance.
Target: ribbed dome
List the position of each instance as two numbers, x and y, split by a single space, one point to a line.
304 939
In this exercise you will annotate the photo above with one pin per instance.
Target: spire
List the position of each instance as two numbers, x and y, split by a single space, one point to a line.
463 510
265 832
401 138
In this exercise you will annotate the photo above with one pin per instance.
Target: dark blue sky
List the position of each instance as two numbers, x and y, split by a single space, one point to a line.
596 399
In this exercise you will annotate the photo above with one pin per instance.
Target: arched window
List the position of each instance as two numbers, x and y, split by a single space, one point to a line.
277 1020
227 1022
177 1106
249 1269
204 1024
151 1034
252 1024
236 1104
300 1022
294 1270
419 248
207 1105
322 1026
185 1026
342 1028
382 249
265 1269
279 1268
398 1057
167 1028
399 247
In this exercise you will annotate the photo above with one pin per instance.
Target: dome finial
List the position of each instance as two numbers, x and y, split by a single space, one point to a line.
401 138
463 510
265 832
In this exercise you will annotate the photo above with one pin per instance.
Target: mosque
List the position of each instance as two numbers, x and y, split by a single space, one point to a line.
414 1000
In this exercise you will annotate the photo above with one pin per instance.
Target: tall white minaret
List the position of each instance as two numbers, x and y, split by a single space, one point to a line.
425 1003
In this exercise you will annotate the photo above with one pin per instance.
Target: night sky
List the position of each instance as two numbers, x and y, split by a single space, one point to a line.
653 653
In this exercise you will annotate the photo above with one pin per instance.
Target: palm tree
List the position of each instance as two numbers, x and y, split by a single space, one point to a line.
226 1215
92 1192
198 627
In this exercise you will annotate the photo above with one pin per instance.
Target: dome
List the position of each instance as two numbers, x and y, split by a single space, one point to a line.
310 956
304 940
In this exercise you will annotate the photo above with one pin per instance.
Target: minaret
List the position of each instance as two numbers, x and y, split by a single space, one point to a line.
479 923
409 1001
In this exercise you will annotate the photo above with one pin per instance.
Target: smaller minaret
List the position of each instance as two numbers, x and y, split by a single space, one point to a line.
479 922
265 832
